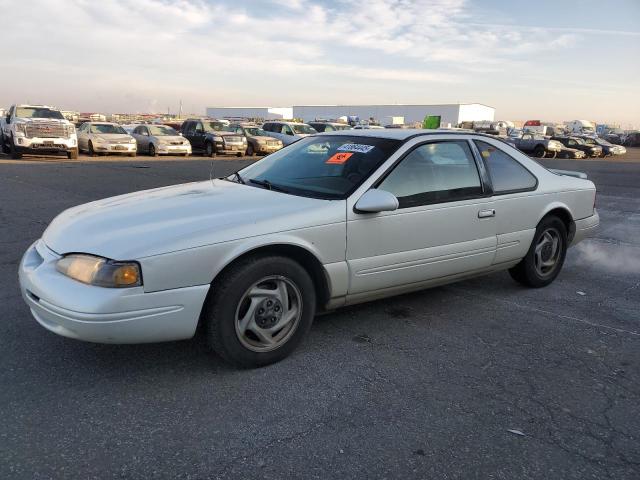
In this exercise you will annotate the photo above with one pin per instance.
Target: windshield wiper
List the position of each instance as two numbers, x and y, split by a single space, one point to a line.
268 185
238 178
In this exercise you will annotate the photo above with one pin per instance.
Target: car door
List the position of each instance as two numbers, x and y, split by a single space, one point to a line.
444 226
188 131
198 136
514 198
143 143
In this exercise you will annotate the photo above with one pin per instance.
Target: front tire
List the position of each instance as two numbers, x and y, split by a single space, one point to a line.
260 310
544 260
152 150
92 152
72 154
15 154
250 150
210 150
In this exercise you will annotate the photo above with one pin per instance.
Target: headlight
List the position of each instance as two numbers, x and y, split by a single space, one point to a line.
70 129
132 140
99 139
21 128
99 271
163 142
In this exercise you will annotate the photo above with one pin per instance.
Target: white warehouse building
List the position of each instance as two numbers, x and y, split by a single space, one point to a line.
264 113
450 114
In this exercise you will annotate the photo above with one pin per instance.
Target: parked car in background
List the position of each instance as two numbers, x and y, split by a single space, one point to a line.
323 126
104 138
160 140
212 137
573 153
258 141
332 220
536 145
37 129
288 132
579 144
608 149
631 139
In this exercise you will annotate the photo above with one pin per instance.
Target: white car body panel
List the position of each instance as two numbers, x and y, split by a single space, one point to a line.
183 236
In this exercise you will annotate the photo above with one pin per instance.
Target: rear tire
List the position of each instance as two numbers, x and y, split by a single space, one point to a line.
544 260
236 308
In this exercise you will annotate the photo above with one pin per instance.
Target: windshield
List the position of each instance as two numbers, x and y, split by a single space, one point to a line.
589 141
36 112
255 132
215 126
302 128
161 130
579 141
323 167
107 129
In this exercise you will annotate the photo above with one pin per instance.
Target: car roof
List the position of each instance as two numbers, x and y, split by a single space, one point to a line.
102 123
400 133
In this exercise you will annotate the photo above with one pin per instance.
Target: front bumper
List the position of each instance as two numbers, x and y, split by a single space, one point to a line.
105 315
115 147
45 145
585 227
264 148
174 149
232 149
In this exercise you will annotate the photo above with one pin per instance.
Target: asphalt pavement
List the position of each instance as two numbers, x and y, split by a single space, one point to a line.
480 379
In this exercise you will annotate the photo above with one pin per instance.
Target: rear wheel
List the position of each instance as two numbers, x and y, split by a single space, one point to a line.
260 310
544 260
539 151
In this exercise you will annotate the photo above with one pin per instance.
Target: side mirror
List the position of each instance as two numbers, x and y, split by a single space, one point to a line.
8 119
374 201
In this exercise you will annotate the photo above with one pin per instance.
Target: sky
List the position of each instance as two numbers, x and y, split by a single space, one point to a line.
547 59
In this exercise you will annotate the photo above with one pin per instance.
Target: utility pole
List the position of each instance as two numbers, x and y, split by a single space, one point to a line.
180 111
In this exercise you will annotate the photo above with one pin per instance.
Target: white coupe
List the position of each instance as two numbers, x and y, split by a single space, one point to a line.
331 220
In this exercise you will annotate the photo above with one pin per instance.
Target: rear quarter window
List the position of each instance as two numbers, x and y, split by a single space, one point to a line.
507 174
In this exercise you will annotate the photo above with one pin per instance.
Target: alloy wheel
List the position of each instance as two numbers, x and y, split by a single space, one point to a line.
268 314
547 252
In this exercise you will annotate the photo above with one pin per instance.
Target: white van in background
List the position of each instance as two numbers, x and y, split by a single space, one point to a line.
583 127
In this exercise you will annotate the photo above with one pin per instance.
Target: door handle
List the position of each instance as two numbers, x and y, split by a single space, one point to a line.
487 213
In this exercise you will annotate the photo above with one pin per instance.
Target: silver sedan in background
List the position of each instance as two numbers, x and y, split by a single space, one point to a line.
160 140
103 138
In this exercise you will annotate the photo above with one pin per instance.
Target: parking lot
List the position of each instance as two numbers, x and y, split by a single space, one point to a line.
478 379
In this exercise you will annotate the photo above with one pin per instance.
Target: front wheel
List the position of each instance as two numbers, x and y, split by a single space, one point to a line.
210 150
544 260
152 150
260 310
3 144
15 154
72 154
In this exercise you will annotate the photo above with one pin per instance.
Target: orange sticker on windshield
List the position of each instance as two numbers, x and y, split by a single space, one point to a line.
339 158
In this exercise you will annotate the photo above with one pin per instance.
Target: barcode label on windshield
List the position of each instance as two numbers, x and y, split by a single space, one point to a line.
355 147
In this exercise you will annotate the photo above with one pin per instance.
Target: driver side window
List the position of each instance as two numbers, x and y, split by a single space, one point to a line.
434 173
199 128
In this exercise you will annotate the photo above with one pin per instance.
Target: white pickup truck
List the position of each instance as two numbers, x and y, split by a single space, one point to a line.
37 129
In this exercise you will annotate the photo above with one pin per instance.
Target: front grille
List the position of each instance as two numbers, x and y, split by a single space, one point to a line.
230 139
46 130
272 143
176 143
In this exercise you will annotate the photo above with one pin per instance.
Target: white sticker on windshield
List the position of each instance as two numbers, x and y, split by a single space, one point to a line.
355 147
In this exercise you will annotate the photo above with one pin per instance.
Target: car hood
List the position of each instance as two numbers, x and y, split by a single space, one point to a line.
42 120
153 222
